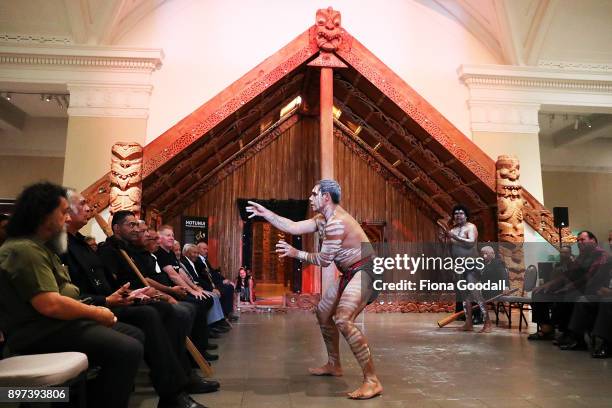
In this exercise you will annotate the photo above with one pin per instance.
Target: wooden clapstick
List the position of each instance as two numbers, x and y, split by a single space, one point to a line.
455 316
191 348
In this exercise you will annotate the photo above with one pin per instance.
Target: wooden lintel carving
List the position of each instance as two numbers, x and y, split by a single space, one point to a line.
327 60
98 194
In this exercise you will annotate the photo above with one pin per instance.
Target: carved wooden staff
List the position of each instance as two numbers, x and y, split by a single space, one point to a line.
455 316
193 350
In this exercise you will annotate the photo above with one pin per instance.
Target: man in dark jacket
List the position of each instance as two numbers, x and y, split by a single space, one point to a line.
218 281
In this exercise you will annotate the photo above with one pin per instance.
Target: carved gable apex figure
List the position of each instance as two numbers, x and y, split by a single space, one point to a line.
329 32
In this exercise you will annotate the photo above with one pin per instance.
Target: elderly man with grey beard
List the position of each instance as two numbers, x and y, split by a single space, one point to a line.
39 307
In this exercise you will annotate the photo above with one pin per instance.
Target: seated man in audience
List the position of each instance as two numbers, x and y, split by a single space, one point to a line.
39 307
220 283
128 236
172 272
549 313
216 318
165 351
176 248
494 270
143 253
594 263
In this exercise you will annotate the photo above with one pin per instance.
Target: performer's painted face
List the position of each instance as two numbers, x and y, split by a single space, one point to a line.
459 217
316 198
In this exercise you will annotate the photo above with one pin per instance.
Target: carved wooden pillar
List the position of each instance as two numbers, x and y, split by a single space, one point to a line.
327 123
510 217
328 35
126 177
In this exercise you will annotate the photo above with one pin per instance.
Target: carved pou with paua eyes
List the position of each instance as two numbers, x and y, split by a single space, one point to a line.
126 177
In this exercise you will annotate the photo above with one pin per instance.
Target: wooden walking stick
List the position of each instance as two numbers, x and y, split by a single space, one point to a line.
193 350
455 316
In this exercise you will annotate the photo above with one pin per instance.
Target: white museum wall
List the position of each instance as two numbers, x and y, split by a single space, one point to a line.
210 44
36 153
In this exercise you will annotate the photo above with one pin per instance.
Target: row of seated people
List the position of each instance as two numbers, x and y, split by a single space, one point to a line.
57 294
577 301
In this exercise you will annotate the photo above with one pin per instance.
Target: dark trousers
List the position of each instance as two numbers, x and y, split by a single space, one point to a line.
551 313
227 299
199 332
603 322
117 354
163 347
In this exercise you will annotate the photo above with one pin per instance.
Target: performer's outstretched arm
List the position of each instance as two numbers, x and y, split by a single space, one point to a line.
283 224
334 232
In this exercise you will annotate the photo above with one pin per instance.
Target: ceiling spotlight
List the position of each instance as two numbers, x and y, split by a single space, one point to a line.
588 123
48 98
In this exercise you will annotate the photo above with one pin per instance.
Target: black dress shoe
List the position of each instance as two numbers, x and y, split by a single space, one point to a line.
213 335
600 349
210 357
233 318
574 344
218 329
198 385
182 400
211 346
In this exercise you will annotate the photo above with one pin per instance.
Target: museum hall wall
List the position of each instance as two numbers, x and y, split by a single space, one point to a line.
32 154
588 197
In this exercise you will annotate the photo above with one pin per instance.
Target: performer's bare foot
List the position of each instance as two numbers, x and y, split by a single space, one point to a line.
327 369
369 389
466 327
487 328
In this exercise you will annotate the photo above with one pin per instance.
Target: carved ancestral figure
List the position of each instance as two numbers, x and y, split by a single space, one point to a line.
328 29
510 217
126 177
509 200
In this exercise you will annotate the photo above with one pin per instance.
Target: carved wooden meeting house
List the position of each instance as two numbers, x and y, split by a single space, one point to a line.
323 106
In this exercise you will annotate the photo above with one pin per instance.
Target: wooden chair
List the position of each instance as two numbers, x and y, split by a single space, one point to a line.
522 303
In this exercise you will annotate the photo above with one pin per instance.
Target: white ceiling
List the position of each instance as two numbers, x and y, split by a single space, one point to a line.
94 22
537 32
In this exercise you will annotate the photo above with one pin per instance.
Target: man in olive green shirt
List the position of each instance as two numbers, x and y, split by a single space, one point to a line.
39 312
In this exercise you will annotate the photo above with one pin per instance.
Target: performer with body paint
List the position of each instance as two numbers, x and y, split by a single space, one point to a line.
464 238
345 243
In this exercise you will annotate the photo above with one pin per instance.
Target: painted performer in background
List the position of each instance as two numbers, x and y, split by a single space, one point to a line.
342 242
464 238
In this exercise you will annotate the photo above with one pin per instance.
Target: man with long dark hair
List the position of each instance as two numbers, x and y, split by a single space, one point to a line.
38 306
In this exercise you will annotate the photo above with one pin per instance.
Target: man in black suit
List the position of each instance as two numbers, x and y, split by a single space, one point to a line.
216 317
218 281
